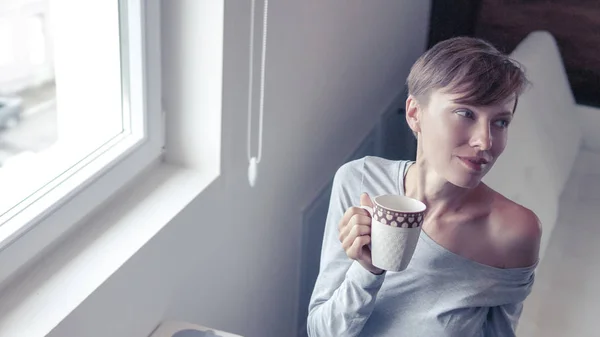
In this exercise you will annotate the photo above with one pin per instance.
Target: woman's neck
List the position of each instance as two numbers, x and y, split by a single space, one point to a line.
439 195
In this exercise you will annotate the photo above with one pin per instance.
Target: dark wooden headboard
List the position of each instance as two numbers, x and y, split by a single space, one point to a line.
574 23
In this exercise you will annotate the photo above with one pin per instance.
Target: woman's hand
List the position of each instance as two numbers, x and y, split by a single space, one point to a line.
355 234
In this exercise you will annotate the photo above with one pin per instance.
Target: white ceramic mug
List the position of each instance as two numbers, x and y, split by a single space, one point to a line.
395 228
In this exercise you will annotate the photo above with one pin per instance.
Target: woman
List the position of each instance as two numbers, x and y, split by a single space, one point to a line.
474 264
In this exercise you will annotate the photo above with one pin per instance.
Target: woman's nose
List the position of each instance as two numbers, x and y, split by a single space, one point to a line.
482 138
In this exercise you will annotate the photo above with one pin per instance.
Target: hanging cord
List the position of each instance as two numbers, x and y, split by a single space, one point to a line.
257 159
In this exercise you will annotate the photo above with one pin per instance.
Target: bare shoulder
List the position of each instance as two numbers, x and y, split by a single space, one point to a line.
517 231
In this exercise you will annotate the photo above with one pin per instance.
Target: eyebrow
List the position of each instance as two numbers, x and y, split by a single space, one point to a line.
505 113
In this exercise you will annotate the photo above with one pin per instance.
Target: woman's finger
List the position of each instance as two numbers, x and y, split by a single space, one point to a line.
350 212
355 220
356 250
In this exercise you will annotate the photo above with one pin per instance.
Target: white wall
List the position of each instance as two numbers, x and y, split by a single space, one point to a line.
231 258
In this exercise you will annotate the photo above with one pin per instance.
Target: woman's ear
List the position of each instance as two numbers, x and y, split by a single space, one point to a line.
413 114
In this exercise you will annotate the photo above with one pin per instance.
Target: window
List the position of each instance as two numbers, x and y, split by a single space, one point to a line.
87 117
36 38
6 42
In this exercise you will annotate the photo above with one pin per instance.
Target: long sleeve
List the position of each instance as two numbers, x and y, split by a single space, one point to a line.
509 295
502 320
345 292
440 294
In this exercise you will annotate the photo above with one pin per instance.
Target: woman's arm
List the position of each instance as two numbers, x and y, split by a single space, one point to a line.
345 292
522 251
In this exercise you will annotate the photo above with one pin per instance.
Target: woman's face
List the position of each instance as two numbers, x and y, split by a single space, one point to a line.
462 142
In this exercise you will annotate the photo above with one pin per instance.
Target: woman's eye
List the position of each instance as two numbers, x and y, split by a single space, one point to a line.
465 113
502 123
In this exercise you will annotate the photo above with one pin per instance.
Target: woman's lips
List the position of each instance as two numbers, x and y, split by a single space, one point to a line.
474 163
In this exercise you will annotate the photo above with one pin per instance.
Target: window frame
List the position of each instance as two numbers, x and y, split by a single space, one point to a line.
93 181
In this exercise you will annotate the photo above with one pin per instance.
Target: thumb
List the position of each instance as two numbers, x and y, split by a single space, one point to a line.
365 200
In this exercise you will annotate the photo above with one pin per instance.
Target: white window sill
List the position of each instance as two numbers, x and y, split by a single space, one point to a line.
36 301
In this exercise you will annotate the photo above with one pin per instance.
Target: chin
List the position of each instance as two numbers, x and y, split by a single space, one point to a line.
464 179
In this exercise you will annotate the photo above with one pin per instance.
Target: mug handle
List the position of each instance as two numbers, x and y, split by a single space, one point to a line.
368 209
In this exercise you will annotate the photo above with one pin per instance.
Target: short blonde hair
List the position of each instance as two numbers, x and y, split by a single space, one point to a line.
470 67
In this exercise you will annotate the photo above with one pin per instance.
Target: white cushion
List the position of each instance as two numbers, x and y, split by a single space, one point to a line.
545 135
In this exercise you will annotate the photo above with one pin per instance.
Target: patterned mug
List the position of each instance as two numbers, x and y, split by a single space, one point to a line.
395 228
